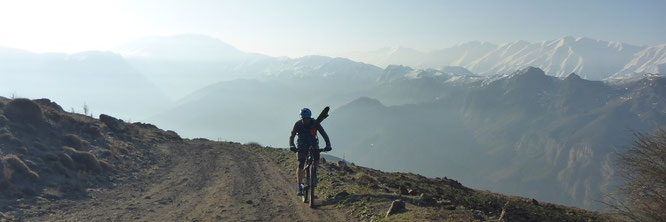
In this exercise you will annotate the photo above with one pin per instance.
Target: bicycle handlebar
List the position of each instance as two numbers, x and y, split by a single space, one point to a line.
318 150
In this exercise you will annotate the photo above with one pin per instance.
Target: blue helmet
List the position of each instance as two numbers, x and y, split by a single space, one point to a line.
306 113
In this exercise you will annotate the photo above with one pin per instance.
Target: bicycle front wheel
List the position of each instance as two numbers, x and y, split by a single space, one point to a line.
307 185
313 182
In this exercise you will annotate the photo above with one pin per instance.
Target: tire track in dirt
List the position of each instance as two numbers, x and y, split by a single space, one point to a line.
195 181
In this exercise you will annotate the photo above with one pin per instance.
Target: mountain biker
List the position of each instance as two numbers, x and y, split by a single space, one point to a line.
306 128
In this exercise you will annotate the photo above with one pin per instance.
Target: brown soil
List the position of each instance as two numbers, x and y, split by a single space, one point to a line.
193 181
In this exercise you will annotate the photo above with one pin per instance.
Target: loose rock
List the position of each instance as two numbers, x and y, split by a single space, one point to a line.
113 123
396 207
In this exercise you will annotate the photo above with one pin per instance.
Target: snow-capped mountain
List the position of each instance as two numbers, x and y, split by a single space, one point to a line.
317 67
649 60
591 59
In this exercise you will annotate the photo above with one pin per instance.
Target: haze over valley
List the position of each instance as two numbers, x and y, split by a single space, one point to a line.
513 127
131 102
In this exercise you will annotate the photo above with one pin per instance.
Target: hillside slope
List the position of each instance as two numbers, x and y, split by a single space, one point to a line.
54 169
122 171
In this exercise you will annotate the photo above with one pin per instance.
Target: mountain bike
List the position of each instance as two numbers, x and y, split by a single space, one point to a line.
310 177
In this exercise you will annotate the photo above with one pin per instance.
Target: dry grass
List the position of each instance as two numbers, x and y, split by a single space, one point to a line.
5 172
52 194
3 120
74 141
9 138
105 165
254 144
85 160
24 110
16 165
66 160
364 179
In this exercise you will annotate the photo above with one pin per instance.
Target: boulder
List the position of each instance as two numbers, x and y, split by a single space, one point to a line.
413 192
427 200
173 135
444 202
50 104
113 123
396 207
402 190
341 194
342 164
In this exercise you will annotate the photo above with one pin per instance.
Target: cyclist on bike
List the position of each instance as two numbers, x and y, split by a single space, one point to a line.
306 128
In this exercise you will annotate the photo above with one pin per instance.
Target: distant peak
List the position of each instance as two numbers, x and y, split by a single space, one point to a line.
578 39
457 70
366 101
393 67
568 39
530 71
572 77
474 44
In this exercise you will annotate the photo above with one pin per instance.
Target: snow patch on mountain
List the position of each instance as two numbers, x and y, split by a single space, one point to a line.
649 60
590 58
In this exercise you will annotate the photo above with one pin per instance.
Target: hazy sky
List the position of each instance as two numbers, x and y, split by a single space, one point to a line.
300 27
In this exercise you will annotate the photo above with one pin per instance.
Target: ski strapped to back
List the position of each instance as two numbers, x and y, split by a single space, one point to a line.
323 115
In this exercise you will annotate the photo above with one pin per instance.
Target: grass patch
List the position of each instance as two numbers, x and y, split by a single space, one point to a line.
84 160
16 166
52 194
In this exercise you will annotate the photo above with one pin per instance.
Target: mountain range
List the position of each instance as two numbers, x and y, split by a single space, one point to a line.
525 133
463 112
593 59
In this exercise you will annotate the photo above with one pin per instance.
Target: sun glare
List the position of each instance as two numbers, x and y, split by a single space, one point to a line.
68 26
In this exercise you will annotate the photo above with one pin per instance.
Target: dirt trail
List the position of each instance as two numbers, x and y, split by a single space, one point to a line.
195 181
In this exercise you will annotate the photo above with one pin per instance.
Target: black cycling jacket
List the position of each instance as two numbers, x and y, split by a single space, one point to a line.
307 134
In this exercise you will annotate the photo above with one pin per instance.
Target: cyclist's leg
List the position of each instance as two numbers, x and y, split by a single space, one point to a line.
302 155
